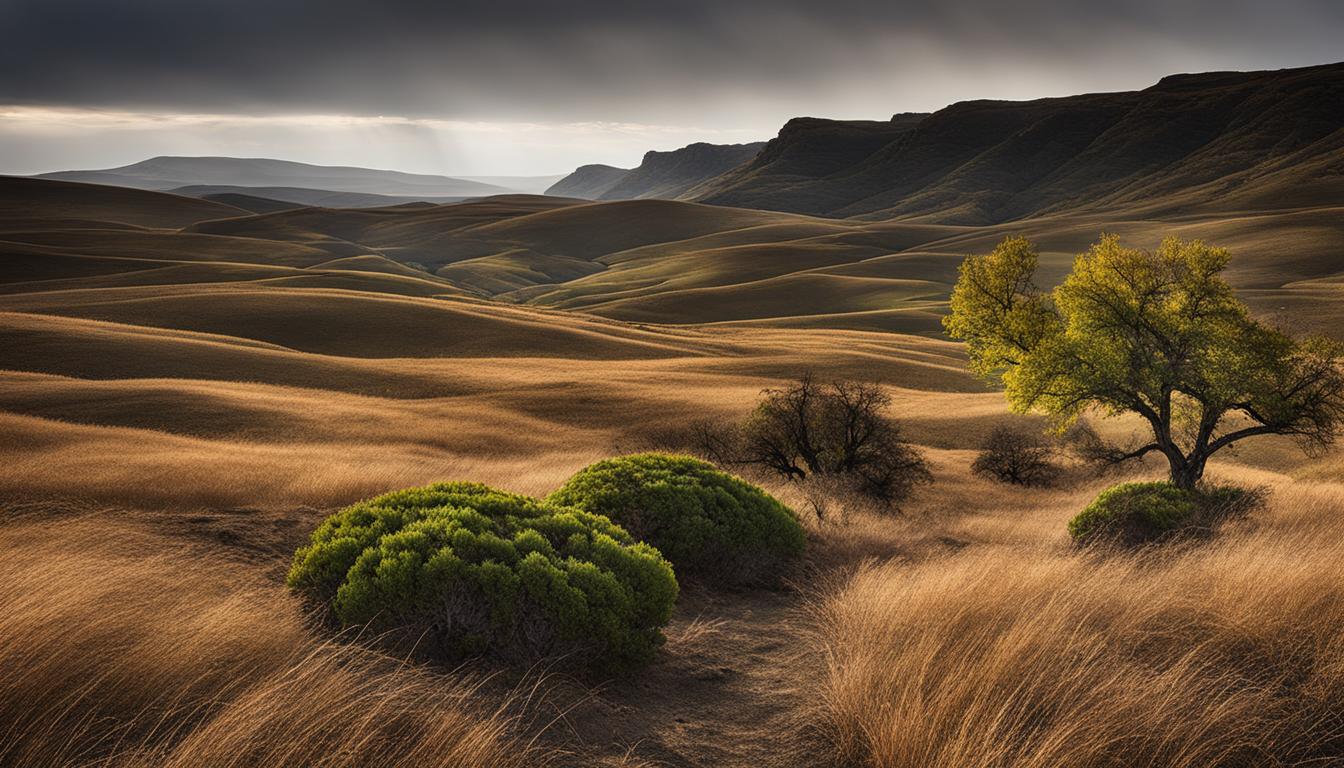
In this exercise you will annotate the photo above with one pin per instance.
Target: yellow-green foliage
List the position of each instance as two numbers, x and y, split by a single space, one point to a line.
1157 333
705 521
1133 511
473 569
1137 513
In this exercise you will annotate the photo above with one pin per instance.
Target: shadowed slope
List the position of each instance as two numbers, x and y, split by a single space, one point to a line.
666 175
22 198
1214 141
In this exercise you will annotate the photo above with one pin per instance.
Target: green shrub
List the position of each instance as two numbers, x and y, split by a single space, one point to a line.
1137 513
460 568
707 522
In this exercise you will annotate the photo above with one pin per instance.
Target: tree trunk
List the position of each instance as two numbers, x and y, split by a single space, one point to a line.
1187 473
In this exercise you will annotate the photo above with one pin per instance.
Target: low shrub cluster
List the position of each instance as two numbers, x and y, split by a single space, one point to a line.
707 522
1139 513
460 568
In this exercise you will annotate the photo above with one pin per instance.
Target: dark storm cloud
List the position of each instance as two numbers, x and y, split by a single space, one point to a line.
612 60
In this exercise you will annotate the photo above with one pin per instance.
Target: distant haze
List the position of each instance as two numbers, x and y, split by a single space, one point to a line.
537 87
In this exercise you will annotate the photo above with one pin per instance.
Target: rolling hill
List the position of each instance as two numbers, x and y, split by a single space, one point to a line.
61 205
296 197
645 261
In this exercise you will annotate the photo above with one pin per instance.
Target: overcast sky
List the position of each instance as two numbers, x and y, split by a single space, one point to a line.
533 87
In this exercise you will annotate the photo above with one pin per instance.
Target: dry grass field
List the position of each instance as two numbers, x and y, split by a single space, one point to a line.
187 389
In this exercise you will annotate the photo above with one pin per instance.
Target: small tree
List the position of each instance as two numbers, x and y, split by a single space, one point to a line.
1015 456
1159 334
838 429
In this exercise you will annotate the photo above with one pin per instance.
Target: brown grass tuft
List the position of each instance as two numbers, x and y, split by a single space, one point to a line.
122 648
1228 653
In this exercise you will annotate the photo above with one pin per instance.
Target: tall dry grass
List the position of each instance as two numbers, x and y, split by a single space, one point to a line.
1229 653
121 648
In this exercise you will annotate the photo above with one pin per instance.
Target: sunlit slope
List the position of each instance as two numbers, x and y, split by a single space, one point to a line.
303 357
800 270
647 261
64 236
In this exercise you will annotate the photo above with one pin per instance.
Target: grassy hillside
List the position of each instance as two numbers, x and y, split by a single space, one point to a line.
189 388
57 201
661 261
650 261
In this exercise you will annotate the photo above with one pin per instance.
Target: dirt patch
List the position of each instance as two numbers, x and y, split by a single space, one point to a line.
729 689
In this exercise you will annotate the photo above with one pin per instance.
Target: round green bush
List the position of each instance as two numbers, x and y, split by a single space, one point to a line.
707 522
461 568
1133 513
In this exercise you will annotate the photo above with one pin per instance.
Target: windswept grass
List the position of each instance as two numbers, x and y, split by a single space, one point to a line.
121 648
1228 653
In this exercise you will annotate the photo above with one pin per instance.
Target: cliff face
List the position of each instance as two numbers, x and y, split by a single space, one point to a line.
588 182
664 175
783 175
669 175
1225 139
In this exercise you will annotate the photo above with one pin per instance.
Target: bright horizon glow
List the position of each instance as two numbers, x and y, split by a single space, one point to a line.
37 139
473 88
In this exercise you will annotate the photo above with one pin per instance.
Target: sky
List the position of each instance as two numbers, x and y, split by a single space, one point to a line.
532 87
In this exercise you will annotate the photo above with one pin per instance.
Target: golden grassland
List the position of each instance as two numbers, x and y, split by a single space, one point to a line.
1020 651
179 409
967 632
125 648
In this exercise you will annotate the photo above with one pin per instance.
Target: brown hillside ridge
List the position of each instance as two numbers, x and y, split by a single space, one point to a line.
588 182
669 175
1223 141
22 199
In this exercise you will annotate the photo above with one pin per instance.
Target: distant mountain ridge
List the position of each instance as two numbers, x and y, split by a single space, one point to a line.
588 182
1214 141
166 173
663 175
294 197
807 149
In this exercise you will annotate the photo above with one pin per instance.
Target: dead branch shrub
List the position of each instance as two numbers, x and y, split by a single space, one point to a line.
811 430
1016 456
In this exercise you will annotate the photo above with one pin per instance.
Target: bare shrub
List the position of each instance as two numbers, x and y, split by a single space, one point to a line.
1016 456
810 429
717 442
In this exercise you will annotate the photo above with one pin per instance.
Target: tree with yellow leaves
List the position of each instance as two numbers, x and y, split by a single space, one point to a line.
1156 333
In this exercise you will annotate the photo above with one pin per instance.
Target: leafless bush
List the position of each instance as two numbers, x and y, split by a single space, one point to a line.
810 430
717 442
1016 456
